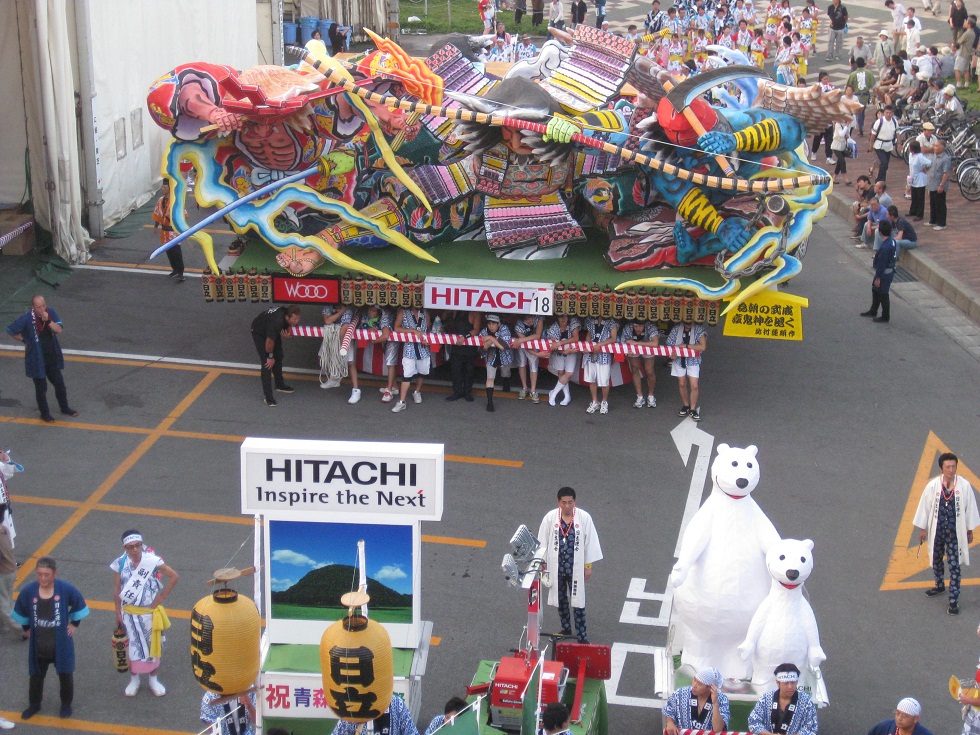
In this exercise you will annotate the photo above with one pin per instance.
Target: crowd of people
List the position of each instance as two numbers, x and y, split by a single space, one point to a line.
503 345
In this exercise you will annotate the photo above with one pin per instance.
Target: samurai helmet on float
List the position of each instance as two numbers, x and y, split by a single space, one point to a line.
225 633
679 131
356 663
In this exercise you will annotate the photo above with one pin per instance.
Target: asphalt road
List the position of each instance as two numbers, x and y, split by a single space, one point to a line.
841 420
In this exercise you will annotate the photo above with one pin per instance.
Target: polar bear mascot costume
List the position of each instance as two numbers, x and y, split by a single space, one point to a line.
784 628
720 577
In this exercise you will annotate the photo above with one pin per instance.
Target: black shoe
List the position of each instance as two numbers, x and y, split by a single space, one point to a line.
65 711
47 418
584 641
684 411
271 402
453 397
880 320
180 278
69 412
468 398
30 712
173 274
285 389
696 414
869 313
567 632
937 590
953 609
505 384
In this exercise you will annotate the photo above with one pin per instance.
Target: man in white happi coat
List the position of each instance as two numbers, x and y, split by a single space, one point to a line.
570 546
947 514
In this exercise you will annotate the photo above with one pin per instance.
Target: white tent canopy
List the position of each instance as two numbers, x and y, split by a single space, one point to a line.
74 76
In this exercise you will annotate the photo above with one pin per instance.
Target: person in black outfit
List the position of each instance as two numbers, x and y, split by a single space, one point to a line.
338 38
462 358
579 9
268 330
38 329
885 260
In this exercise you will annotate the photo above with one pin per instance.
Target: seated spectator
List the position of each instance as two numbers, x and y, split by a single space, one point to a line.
525 49
859 207
902 230
876 213
501 52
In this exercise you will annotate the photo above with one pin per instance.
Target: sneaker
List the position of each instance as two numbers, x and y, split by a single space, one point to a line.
830 160
684 411
386 396
285 389
937 590
604 407
535 398
271 402
651 402
383 389
417 396
6 724
639 402
332 383
593 407
522 394
355 396
939 228
813 156
180 278
953 609
696 414
398 407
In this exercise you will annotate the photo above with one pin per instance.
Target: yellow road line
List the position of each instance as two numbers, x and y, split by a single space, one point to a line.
89 726
517 464
100 492
133 266
205 517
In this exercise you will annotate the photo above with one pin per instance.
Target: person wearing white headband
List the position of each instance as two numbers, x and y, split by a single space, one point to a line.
785 710
905 722
700 706
139 593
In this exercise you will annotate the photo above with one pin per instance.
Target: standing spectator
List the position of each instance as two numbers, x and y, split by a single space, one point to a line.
656 19
841 135
338 35
687 370
416 356
556 15
269 329
927 140
642 334
883 51
496 353
700 706
50 610
453 707
826 135
365 317
520 10
528 327
537 13
913 37
905 722
885 260
860 50
600 13
898 23
837 13
38 329
937 185
161 219
918 174
579 9
488 8
861 80
139 594
947 514
598 365
883 140
964 53
571 546
784 710
957 20
228 715
462 357
563 334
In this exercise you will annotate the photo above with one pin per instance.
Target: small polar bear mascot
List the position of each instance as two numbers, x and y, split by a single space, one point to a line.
720 577
784 629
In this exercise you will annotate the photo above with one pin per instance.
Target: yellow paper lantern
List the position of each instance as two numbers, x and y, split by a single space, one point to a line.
357 667
225 632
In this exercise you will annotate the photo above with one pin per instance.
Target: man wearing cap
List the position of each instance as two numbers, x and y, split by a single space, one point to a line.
784 710
700 706
951 103
947 514
906 721
927 140
883 50
525 49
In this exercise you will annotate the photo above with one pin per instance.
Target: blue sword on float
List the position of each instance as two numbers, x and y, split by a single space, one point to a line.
234 205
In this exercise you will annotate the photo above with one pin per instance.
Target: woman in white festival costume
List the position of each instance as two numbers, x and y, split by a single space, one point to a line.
138 585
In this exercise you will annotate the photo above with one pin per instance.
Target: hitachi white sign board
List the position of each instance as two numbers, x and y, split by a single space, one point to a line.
508 297
372 482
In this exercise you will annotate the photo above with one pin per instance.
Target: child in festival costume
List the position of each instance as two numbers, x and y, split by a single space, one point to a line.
161 219
725 38
815 17
774 17
743 39
804 25
758 49
750 15
800 54
700 48
676 52
785 73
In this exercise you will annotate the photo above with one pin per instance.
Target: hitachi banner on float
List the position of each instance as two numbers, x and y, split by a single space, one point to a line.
510 297
376 482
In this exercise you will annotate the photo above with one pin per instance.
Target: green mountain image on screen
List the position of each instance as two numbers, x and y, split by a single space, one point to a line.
317 595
